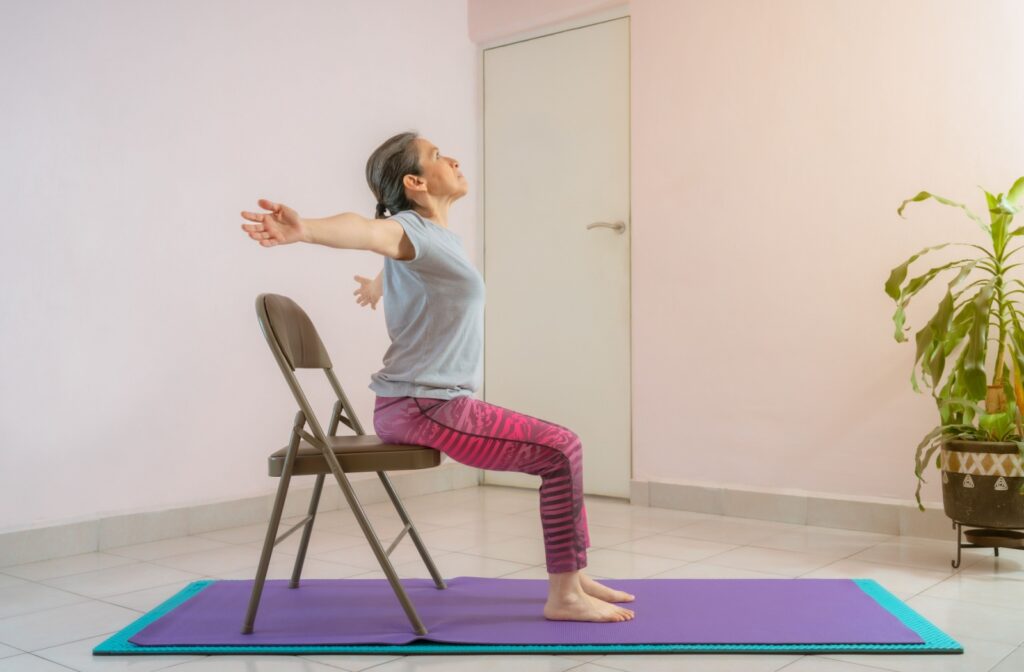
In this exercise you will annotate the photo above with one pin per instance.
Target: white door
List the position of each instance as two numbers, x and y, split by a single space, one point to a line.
556 161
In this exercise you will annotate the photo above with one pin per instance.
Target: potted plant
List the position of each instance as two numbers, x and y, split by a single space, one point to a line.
982 448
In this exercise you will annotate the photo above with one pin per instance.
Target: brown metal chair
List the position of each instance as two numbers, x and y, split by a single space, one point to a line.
296 345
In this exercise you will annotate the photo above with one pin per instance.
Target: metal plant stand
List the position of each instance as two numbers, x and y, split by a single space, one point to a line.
986 538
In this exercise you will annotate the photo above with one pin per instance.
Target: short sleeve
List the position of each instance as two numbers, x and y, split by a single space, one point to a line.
416 230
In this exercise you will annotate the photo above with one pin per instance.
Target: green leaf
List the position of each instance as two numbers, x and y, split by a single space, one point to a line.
1001 218
996 425
974 365
929 437
899 274
991 199
945 201
961 323
950 391
937 363
961 402
1017 340
1016 193
980 281
932 339
915 285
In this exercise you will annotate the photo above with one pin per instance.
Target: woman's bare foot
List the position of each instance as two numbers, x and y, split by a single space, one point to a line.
583 607
602 592
567 601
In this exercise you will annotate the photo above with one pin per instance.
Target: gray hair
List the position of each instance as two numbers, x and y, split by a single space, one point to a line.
386 168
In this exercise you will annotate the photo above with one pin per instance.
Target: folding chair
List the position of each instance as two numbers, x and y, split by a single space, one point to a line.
296 345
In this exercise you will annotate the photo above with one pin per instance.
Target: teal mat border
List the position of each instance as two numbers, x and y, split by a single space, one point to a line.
935 641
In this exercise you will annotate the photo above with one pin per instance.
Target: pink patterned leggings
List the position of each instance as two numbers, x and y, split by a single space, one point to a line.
486 436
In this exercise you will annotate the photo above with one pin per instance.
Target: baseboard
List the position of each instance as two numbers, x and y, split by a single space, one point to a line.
56 541
896 517
885 516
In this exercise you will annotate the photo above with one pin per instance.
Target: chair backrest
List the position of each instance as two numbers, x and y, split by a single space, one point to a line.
283 320
296 345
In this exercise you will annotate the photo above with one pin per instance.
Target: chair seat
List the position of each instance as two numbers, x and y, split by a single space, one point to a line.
357 453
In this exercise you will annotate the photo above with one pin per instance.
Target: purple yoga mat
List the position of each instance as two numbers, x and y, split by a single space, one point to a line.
476 610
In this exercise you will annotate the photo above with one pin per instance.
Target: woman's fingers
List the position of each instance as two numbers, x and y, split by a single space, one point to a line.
256 233
260 232
269 205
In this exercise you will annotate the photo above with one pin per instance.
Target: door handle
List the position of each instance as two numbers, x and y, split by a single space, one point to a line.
618 226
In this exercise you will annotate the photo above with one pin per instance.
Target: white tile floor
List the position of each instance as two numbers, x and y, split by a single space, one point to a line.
53 613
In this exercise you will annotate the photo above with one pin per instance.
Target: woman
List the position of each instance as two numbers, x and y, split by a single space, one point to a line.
433 308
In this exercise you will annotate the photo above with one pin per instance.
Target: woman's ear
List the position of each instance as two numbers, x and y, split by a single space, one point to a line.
414 182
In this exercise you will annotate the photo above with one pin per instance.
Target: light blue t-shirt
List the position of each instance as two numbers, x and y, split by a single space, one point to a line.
434 311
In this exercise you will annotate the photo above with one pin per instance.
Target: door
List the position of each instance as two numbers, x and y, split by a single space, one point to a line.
556 242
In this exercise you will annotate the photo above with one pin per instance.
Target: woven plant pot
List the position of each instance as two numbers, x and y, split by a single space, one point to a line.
981 482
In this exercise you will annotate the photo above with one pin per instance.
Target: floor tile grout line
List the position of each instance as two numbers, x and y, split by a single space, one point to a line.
1004 658
189 662
610 666
976 604
590 662
102 599
866 667
134 561
53 662
878 562
386 662
72 641
970 601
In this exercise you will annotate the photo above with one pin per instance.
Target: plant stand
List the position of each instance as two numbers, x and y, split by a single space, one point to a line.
987 538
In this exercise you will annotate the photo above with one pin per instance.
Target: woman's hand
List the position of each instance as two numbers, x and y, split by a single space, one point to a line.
280 226
369 291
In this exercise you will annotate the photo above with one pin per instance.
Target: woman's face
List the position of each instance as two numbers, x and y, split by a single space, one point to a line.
441 172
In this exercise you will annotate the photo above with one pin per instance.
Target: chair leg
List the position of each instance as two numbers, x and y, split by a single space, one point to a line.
420 546
275 521
307 530
371 537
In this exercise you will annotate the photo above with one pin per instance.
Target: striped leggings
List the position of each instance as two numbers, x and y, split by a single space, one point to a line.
486 436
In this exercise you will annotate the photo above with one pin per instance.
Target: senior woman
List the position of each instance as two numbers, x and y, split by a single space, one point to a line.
433 307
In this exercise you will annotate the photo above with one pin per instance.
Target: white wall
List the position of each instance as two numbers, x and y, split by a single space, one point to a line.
134 374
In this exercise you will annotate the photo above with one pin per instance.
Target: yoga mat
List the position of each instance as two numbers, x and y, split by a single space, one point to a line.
476 614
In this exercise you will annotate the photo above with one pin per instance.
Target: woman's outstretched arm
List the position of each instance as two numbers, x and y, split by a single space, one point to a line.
349 230
283 226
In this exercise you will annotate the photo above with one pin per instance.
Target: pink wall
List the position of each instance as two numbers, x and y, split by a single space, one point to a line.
771 145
